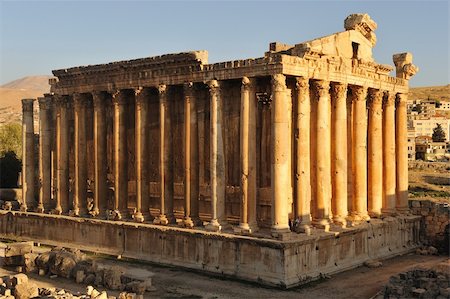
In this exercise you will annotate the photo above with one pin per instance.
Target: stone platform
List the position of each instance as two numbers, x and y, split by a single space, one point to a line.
283 263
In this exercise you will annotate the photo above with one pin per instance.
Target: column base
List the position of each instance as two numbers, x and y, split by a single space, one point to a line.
56 211
245 228
213 226
357 218
187 222
94 213
161 220
138 217
375 214
388 212
303 228
403 210
40 209
322 224
280 232
23 208
340 221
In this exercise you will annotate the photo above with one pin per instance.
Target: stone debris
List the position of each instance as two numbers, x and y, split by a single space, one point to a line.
373 264
427 250
419 283
72 264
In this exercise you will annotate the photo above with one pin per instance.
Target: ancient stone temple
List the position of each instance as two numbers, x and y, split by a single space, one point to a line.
273 169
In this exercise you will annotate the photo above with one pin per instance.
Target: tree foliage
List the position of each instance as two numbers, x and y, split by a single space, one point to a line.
438 134
11 139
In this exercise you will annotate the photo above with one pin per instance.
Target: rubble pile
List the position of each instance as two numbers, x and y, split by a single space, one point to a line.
70 264
431 283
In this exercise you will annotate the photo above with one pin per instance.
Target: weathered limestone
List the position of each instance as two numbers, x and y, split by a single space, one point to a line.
375 154
281 150
359 150
165 160
141 127
28 169
302 201
45 164
248 157
80 197
323 155
217 160
120 99
389 164
100 152
339 153
401 148
62 152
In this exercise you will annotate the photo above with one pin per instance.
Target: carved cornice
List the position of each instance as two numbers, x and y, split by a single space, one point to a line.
321 88
278 82
338 91
359 93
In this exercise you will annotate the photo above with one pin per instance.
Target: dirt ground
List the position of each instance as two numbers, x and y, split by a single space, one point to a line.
170 282
430 180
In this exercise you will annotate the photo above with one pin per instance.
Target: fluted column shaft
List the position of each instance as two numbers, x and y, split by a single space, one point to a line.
389 164
62 152
359 162
302 200
401 147
248 157
375 181
45 148
217 161
339 153
141 127
100 153
323 155
80 196
165 160
281 151
28 171
120 99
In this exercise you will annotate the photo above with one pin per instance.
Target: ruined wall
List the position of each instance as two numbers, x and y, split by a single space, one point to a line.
435 222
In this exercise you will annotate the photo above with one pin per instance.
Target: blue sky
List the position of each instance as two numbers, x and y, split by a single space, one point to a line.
39 36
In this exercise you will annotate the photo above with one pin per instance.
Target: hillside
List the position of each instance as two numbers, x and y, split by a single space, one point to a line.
13 92
441 93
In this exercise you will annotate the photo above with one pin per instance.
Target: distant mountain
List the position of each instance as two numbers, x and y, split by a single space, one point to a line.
441 93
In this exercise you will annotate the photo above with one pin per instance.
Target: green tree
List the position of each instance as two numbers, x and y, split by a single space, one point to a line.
11 139
438 134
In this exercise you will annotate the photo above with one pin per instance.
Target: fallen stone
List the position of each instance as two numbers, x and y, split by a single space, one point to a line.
79 276
42 272
44 260
432 250
373 264
19 279
444 292
53 276
30 262
112 278
26 291
18 248
89 279
63 264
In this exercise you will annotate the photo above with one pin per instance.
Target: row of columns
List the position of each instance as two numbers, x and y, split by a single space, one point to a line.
320 167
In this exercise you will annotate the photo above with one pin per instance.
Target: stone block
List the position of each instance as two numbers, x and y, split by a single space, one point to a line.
26 291
444 292
415 203
30 262
19 279
426 203
79 276
19 248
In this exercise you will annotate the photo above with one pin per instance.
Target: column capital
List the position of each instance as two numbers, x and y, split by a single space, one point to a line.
45 103
359 93
301 83
213 86
247 83
99 98
141 95
162 88
27 105
278 82
388 98
401 99
62 101
79 100
338 90
375 97
119 97
188 89
321 88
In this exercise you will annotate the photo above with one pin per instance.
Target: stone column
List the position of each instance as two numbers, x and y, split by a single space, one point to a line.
339 153
165 160
141 127
401 147
389 166
248 222
100 153
375 136
191 187
281 151
80 196
217 160
45 148
120 99
323 155
62 152
359 212
302 202
28 171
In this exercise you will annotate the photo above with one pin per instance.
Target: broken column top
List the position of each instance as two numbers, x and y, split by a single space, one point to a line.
362 23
